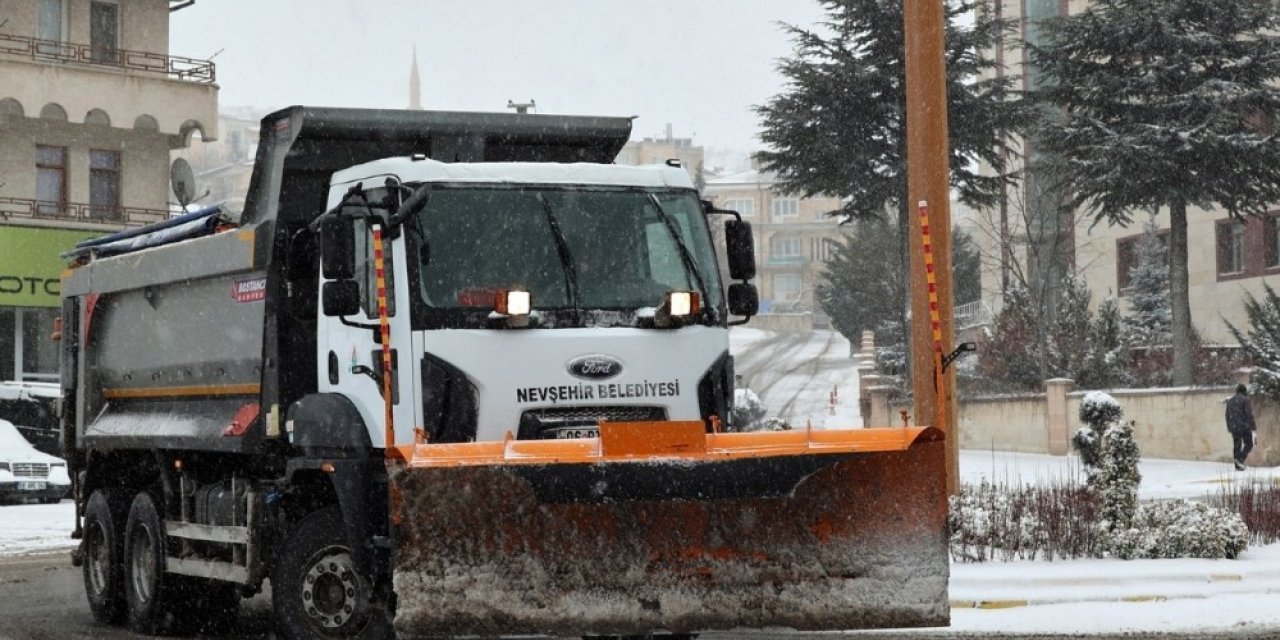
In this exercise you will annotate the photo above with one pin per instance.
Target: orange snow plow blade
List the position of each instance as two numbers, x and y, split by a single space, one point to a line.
660 527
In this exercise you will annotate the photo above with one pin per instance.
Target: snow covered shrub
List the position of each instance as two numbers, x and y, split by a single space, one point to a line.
1098 409
1180 529
999 522
747 411
775 424
1262 342
1118 477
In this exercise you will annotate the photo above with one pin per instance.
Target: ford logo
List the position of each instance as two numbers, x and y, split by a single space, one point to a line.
594 367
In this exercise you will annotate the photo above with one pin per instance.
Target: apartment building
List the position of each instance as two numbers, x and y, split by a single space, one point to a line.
91 104
793 237
1226 260
660 149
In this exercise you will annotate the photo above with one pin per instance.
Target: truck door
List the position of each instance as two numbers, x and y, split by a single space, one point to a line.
350 357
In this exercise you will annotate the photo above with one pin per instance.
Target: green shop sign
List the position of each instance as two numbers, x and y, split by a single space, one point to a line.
31 264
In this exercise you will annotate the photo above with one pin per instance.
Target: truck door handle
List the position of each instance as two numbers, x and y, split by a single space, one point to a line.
376 372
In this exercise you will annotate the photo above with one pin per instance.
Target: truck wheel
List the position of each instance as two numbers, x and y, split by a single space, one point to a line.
315 588
147 587
103 565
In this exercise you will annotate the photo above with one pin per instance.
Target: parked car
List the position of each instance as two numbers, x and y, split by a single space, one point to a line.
26 473
30 406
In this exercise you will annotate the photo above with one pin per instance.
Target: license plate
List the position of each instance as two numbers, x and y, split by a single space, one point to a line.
585 432
31 485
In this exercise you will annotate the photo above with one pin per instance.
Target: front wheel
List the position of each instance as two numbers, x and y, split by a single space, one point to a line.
315 587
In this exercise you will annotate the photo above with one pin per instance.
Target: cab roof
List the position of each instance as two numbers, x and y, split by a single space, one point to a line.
418 169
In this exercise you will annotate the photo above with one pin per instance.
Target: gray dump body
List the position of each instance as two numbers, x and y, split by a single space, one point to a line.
202 344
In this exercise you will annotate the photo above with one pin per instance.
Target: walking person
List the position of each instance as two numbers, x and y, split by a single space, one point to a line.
1244 433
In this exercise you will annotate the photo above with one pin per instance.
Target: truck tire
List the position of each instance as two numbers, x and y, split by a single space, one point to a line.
103 565
315 589
148 589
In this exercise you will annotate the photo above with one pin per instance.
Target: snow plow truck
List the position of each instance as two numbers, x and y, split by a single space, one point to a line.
458 374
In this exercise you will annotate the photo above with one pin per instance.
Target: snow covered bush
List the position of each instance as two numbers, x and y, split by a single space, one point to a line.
775 424
747 411
1118 477
999 522
1257 501
1180 529
1098 409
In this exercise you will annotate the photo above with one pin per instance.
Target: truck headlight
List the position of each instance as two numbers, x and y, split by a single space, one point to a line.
513 302
683 303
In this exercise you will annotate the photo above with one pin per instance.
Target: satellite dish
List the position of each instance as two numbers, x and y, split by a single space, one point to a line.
183 182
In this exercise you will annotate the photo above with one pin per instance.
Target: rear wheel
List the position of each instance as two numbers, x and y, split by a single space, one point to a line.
315 587
103 561
148 588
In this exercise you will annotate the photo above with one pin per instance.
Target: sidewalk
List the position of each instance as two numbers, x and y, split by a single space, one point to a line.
1089 597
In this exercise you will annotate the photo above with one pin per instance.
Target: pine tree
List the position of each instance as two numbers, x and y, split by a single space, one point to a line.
1149 319
839 127
1106 366
1262 342
1165 105
1017 362
1070 335
860 289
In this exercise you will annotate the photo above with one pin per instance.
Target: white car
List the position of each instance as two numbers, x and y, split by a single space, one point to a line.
27 473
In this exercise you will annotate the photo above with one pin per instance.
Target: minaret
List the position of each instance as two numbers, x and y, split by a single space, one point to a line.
415 87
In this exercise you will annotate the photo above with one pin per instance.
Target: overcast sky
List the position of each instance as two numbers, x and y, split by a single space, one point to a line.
698 64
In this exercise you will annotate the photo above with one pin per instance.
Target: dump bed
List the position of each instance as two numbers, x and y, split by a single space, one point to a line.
185 343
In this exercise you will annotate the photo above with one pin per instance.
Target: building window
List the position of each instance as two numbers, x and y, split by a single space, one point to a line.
744 206
51 180
1230 243
784 248
787 289
1271 239
821 248
49 26
104 184
104 32
786 207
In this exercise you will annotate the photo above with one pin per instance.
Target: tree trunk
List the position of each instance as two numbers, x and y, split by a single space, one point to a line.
1179 296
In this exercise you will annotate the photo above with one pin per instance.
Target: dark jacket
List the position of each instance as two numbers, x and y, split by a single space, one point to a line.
1240 414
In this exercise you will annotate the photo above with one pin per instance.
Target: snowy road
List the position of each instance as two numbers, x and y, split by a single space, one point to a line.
794 375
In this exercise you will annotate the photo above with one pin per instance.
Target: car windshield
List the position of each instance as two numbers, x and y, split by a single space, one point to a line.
617 248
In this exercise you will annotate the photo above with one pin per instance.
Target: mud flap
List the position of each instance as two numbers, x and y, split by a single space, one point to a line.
850 537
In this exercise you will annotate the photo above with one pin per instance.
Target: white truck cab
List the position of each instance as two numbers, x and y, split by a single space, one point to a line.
598 253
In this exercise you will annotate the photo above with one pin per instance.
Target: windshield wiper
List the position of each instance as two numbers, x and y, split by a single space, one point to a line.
566 260
691 267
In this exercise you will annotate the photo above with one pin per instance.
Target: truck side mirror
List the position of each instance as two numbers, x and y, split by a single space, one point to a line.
744 300
337 248
340 298
740 250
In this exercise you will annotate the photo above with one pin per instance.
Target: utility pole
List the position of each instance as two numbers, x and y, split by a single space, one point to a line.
928 181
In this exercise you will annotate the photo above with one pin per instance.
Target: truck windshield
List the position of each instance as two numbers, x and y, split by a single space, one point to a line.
475 241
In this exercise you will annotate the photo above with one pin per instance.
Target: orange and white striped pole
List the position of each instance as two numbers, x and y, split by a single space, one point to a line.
384 328
935 313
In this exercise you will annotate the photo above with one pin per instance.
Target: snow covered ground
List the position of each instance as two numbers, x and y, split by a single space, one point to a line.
794 375
28 528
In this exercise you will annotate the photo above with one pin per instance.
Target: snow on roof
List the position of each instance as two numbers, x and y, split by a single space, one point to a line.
581 173
743 177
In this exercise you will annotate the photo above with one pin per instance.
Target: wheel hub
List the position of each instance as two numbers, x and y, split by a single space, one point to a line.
143 565
96 556
330 589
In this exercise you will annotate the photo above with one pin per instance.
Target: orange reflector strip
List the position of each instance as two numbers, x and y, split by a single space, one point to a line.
627 442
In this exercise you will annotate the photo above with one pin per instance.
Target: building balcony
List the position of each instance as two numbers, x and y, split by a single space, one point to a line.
784 261
72 214
76 83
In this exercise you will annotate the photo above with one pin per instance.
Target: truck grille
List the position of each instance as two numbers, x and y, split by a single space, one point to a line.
539 423
31 469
